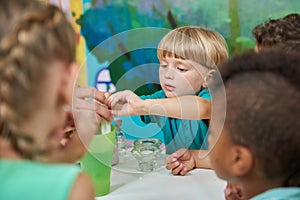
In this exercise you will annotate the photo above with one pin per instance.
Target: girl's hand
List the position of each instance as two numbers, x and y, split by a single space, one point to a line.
91 99
88 110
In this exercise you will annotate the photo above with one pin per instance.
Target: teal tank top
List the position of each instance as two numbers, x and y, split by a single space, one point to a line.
35 181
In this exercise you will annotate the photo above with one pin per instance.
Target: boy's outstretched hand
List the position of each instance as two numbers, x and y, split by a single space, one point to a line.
126 103
180 162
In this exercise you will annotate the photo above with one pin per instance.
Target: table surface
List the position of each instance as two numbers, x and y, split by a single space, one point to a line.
129 183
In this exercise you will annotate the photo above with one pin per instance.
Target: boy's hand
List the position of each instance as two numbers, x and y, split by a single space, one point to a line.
126 103
180 162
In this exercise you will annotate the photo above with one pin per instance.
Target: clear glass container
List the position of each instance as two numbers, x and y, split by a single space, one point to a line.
146 151
121 139
115 159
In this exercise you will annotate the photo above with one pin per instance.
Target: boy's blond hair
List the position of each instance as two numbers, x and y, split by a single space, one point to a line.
194 43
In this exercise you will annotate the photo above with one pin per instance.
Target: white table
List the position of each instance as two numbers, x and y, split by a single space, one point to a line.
128 183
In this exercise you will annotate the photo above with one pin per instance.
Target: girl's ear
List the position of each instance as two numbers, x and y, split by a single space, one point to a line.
207 77
242 162
68 82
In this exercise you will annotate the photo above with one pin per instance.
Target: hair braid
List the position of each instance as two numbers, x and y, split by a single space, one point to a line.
36 37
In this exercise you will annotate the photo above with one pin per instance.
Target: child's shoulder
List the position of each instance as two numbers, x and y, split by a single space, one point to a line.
25 176
20 166
288 193
205 94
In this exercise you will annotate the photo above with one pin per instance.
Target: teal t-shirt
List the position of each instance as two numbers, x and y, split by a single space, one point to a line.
180 133
30 180
286 193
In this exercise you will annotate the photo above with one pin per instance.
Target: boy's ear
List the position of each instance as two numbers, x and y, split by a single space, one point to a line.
257 48
242 161
207 77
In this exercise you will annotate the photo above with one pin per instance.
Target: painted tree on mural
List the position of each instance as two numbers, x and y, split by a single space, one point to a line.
115 19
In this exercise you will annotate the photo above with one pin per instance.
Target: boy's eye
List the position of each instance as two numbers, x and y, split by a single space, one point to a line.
181 69
163 66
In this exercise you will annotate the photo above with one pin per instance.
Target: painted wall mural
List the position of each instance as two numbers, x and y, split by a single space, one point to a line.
102 19
113 48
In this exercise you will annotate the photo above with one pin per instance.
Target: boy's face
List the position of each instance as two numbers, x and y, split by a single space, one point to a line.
231 162
179 77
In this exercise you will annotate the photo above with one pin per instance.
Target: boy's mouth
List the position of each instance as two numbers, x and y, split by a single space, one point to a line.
169 88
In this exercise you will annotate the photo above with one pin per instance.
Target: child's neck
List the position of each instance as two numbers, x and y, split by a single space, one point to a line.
7 151
251 188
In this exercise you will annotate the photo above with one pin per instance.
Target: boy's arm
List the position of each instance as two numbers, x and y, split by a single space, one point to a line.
201 158
184 107
190 107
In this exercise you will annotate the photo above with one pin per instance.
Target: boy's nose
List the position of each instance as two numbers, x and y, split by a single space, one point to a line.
169 73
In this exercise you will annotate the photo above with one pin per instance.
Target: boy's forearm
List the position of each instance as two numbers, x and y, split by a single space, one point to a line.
184 107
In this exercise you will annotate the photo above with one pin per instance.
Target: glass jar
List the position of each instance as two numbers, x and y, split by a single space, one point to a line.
146 151
121 138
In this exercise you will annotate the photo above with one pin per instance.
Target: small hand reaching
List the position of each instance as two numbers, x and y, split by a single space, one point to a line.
126 103
180 162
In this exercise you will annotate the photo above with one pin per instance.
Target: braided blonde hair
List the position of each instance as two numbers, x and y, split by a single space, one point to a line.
38 37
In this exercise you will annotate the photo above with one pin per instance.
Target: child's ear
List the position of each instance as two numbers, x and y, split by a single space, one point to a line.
207 77
242 161
257 48
68 82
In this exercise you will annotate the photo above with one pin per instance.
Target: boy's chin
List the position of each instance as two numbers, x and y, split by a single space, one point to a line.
173 94
170 95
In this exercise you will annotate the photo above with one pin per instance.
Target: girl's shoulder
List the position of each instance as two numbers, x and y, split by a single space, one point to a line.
26 175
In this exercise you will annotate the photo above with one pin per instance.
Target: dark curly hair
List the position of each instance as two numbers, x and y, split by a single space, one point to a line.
277 31
291 46
263 110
